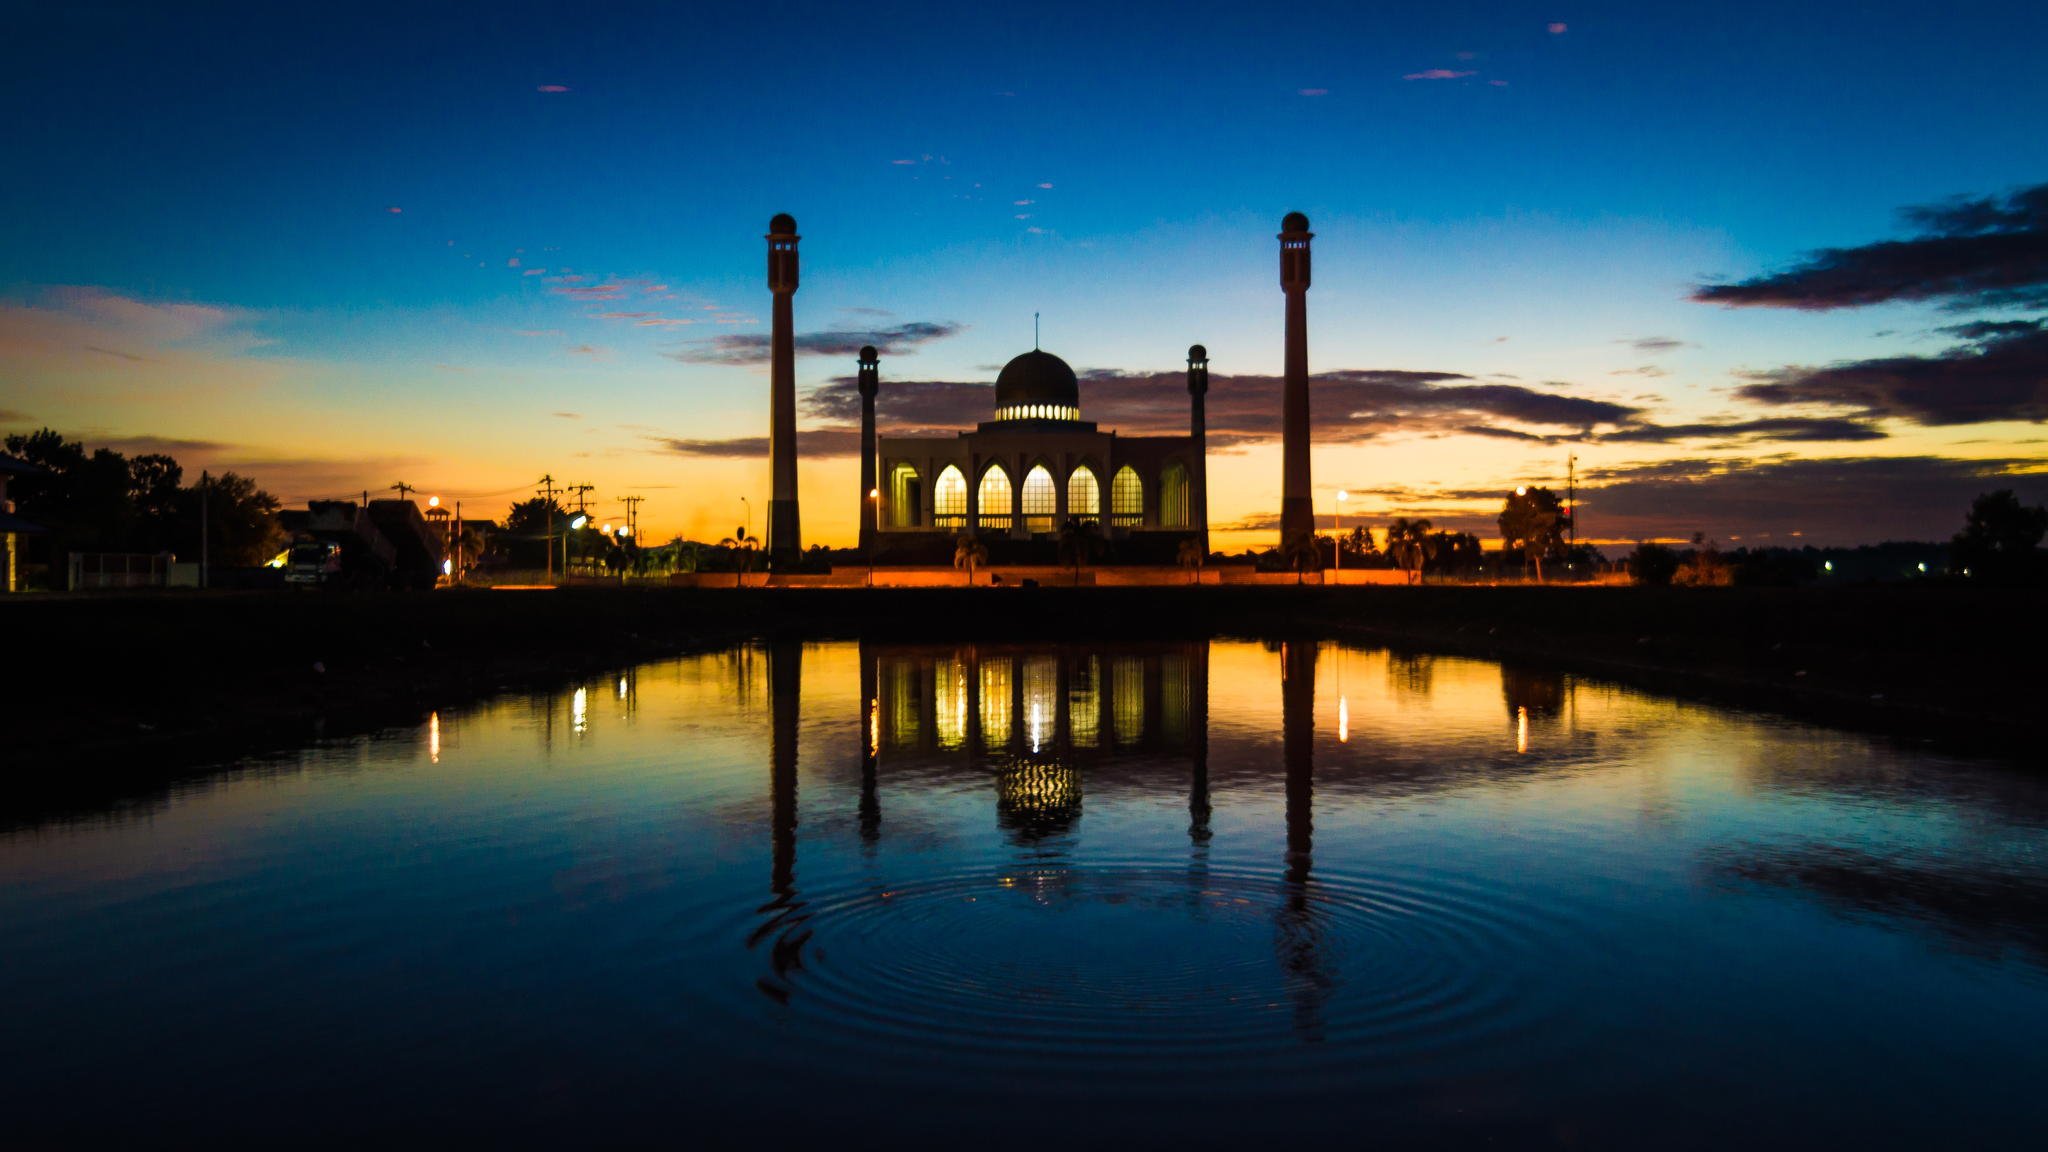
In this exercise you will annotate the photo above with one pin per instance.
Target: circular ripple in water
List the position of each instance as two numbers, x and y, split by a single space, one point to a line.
1113 963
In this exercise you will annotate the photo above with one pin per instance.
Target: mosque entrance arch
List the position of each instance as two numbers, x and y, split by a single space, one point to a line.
1084 496
992 501
1173 495
906 497
1126 498
949 500
1041 500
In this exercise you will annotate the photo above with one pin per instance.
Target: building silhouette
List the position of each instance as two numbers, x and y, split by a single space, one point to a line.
1037 465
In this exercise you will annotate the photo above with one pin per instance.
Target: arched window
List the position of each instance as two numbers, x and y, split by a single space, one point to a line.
949 500
1084 496
1041 500
1173 496
906 497
992 502
1126 498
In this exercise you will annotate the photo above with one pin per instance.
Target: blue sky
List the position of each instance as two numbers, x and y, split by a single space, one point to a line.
1501 191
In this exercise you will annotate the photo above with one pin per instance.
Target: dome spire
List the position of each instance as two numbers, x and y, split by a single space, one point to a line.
1034 332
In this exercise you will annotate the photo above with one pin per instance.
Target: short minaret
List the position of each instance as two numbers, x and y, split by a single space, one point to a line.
870 503
785 540
1198 431
1297 510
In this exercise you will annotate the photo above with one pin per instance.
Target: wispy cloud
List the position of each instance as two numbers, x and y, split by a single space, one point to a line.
1969 252
552 89
753 347
1313 91
1439 74
1653 345
2000 375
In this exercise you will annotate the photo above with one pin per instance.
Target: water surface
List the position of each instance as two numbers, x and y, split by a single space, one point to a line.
1007 895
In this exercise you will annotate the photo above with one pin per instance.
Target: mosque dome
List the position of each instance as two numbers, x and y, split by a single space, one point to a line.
783 225
1037 382
1294 222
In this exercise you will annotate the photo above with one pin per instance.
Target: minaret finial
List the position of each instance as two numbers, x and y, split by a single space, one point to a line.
1034 331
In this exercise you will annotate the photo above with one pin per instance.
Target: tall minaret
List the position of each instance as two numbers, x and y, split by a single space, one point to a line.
1198 431
1297 510
785 542
870 503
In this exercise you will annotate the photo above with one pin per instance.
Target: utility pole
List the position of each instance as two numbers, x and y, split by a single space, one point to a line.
205 538
403 489
547 492
1571 505
580 490
458 542
632 504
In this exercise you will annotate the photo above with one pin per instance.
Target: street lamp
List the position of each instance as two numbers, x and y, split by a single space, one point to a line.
1337 524
874 506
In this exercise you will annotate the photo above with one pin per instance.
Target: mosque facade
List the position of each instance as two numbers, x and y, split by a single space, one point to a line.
1036 464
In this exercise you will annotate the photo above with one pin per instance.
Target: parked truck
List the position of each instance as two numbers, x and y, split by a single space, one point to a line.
387 544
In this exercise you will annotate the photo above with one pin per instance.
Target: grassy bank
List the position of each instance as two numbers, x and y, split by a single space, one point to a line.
97 681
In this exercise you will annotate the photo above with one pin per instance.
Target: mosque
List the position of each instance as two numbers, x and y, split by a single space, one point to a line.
1036 464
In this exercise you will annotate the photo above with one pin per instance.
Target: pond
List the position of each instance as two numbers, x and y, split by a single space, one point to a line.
1012 895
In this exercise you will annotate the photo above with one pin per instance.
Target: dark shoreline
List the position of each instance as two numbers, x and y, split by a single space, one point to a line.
123 692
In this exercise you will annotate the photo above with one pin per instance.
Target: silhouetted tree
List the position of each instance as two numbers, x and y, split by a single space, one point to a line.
1653 564
1453 552
1409 545
2001 537
241 520
969 553
1358 548
536 517
1533 521
744 546
1080 541
1191 558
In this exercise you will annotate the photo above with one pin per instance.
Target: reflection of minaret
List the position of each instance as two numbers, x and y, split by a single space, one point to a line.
871 748
1297 513
870 499
1198 794
1198 431
784 912
1300 936
785 545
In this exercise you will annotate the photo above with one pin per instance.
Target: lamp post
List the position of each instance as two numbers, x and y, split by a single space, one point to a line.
1337 524
874 506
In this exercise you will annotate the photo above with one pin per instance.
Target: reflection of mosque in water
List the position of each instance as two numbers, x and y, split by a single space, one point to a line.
1035 719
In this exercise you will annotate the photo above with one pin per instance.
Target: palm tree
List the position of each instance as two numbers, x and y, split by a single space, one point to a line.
745 544
1409 544
967 553
1079 541
1300 553
1192 559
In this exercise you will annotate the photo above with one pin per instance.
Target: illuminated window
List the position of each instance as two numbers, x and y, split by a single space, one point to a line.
1041 500
949 702
1084 496
906 497
1126 499
995 704
1127 700
1173 496
949 499
993 500
1084 702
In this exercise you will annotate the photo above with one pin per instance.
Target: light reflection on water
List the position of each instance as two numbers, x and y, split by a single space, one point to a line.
1229 891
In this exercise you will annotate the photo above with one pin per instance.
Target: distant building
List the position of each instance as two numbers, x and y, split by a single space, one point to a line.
12 527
